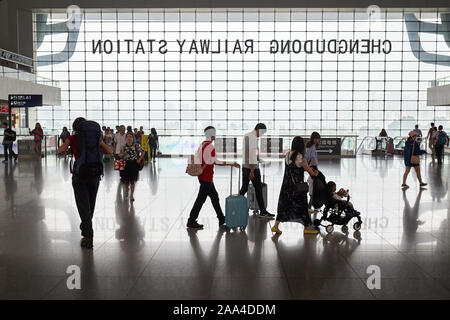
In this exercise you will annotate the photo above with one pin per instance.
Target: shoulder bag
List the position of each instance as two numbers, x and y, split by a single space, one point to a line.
415 159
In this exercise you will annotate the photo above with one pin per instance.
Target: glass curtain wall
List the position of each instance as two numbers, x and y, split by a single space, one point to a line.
342 71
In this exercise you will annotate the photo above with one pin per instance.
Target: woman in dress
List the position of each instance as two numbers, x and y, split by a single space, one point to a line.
412 148
293 204
38 137
132 154
153 143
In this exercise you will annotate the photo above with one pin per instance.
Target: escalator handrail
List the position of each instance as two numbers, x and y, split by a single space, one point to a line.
362 142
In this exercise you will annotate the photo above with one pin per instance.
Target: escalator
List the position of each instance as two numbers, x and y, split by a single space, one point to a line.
380 145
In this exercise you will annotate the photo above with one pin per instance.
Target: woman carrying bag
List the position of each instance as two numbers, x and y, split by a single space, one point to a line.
132 154
411 156
293 202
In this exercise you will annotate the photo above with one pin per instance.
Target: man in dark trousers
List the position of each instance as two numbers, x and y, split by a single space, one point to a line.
8 139
441 141
206 155
250 167
85 182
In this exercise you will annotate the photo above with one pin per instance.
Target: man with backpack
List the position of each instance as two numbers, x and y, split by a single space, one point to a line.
441 141
87 147
9 136
206 155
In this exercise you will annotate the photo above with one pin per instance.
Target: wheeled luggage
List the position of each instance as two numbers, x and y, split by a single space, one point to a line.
251 195
236 209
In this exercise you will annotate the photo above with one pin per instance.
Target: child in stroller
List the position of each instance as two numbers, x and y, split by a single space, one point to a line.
337 210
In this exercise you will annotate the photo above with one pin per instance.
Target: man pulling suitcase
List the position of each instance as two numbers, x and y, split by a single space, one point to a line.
207 158
250 167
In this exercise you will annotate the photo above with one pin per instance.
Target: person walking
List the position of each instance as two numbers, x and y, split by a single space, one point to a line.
312 160
153 143
38 134
411 158
418 131
292 202
64 135
132 153
9 136
86 175
119 141
441 141
250 167
207 154
108 139
429 137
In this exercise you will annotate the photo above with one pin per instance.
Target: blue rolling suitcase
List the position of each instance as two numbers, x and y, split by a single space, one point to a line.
236 209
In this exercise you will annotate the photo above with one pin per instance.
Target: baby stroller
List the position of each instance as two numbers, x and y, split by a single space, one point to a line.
335 212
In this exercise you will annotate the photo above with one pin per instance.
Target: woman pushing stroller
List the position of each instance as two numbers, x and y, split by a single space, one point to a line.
292 202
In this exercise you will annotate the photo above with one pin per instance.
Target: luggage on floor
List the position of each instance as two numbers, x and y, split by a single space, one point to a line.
236 209
251 195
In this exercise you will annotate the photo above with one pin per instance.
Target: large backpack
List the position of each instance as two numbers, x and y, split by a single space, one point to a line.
441 139
90 156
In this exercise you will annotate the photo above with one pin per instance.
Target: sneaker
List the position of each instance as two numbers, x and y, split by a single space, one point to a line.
266 215
423 184
310 231
221 221
276 230
16 158
194 225
131 198
87 243
405 186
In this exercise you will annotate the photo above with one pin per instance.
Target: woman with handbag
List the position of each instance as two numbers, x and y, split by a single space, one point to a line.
293 202
411 157
132 154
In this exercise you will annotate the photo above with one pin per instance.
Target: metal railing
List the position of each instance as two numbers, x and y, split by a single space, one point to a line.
439 82
27 76
50 143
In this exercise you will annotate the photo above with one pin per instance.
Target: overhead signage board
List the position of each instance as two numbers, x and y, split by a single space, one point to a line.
24 100
16 58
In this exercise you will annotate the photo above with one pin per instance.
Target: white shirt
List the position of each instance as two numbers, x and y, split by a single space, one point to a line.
120 139
250 150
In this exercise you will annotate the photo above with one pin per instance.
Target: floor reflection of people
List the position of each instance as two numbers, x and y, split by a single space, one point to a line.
38 182
206 263
153 177
130 233
65 167
437 188
10 185
320 263
411 220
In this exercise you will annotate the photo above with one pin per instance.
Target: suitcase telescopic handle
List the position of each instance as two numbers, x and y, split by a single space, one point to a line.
231 180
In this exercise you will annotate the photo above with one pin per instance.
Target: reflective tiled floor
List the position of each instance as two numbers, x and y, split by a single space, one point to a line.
143 251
